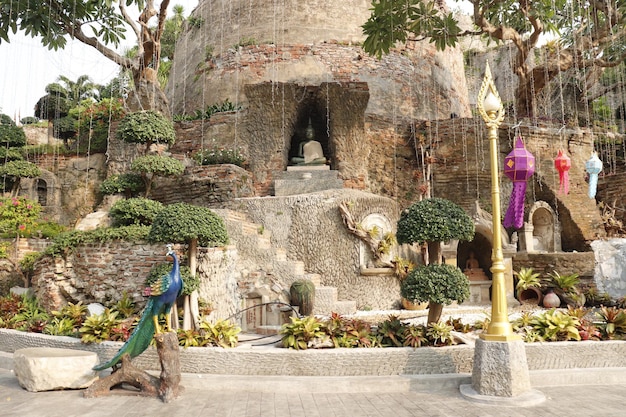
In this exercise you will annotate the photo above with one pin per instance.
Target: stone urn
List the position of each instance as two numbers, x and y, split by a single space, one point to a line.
551 300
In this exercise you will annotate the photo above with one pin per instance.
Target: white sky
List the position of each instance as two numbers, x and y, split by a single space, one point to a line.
26 67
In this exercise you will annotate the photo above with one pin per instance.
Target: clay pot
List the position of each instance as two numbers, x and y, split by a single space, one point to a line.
551 300
409 305
530 295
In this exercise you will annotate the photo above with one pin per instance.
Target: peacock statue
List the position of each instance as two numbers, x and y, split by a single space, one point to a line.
163 293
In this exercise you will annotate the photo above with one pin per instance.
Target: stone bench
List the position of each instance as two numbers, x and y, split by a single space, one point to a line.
46 369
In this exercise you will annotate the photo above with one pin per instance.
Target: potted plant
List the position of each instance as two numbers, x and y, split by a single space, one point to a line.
431 222
437 284
566 287
528 286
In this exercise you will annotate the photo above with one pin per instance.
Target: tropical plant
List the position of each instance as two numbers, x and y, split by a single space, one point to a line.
75 312
391 332
301 331
222 333
613 322
125 306
439 334
554 325
97 327
17 215
12 136
566 287
415 336
101 25
527 278
139 211
31 316
60 326
437 284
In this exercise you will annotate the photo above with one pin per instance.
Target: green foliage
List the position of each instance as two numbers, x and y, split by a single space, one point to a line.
97 327
128 184
613 322
181 222
158 165
139 211
29 120
75 312
11 154
125 306
43 229
432 220
65 127
20 169
68 241
18 215
5 119
440 334
527 278
554 325
146 127
301 331
94 123
10 305
31 316
441 284
415 336
302 294
60 326
12 136
222 333
565 283
218 156
206 114
392 332
27 262
195 22
190 283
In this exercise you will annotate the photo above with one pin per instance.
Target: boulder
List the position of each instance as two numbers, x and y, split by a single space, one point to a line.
46 369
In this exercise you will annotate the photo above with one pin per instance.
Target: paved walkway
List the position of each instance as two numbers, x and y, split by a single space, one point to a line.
570 401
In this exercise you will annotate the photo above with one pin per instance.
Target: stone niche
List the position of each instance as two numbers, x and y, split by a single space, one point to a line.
542 231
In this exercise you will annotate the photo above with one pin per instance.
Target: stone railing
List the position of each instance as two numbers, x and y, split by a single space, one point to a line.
270 360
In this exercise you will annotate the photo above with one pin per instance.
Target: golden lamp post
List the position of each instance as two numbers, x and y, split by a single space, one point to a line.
500 370
491 109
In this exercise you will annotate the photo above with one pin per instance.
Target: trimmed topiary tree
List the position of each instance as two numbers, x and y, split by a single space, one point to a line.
12 136
128 184
140 211
437 284
151 166
431 222
193 225
14 171
146 127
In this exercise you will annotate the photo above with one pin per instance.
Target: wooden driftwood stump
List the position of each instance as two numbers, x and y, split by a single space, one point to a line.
167 387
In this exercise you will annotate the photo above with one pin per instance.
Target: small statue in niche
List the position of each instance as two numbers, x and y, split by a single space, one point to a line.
473 271
309 150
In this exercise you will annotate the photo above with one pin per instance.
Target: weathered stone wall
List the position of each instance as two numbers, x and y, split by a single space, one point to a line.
248 43
208 186
565 263
612 190
311 229
610 266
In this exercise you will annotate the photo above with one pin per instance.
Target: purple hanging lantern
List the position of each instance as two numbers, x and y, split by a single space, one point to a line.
519 166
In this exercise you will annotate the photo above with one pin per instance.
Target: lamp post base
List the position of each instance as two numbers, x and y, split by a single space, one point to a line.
500 372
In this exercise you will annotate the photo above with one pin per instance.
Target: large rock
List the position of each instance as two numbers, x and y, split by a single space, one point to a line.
610 271
46 369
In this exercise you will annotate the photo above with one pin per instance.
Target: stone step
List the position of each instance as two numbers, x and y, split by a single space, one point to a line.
344 307
287 187
325 299
303 174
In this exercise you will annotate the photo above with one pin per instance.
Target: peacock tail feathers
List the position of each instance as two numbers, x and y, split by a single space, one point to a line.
139 340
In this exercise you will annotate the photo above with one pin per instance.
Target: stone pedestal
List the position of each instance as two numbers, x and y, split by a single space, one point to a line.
479 292
500 374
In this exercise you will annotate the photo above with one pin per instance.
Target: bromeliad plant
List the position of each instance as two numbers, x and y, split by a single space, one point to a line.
302 331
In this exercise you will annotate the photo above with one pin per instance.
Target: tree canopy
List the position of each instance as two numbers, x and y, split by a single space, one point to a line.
100 24
591 35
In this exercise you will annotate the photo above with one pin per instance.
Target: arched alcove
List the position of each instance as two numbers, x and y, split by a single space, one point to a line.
481 247
42 192
311 111
542 231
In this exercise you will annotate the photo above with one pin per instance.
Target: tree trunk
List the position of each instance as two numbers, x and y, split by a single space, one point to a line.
434 253
147 95
191 308
434 312
167 387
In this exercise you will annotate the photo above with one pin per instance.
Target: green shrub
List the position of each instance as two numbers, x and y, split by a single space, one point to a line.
301 331
68 241
12 136
221 333
97 328
128 184
181 222
10 154
18 215
150 166
139 211
29 120
5 119
437 283
218 156
146 127
65 127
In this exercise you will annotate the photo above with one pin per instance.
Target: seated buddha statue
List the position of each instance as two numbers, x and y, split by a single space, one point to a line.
473 271
309 150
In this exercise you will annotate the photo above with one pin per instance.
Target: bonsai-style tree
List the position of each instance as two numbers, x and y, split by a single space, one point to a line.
151 166
193 225
437 284
591 35
432 221
14 171
146 127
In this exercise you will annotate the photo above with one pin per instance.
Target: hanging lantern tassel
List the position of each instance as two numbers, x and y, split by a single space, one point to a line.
519 166
563 163
593 168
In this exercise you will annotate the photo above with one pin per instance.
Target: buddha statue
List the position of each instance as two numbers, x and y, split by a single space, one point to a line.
473 271
309 150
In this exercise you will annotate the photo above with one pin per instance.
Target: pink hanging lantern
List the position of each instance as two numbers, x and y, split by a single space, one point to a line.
519 166
563 163
593 167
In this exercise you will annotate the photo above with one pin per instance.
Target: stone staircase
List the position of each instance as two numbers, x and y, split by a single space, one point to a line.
266 274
